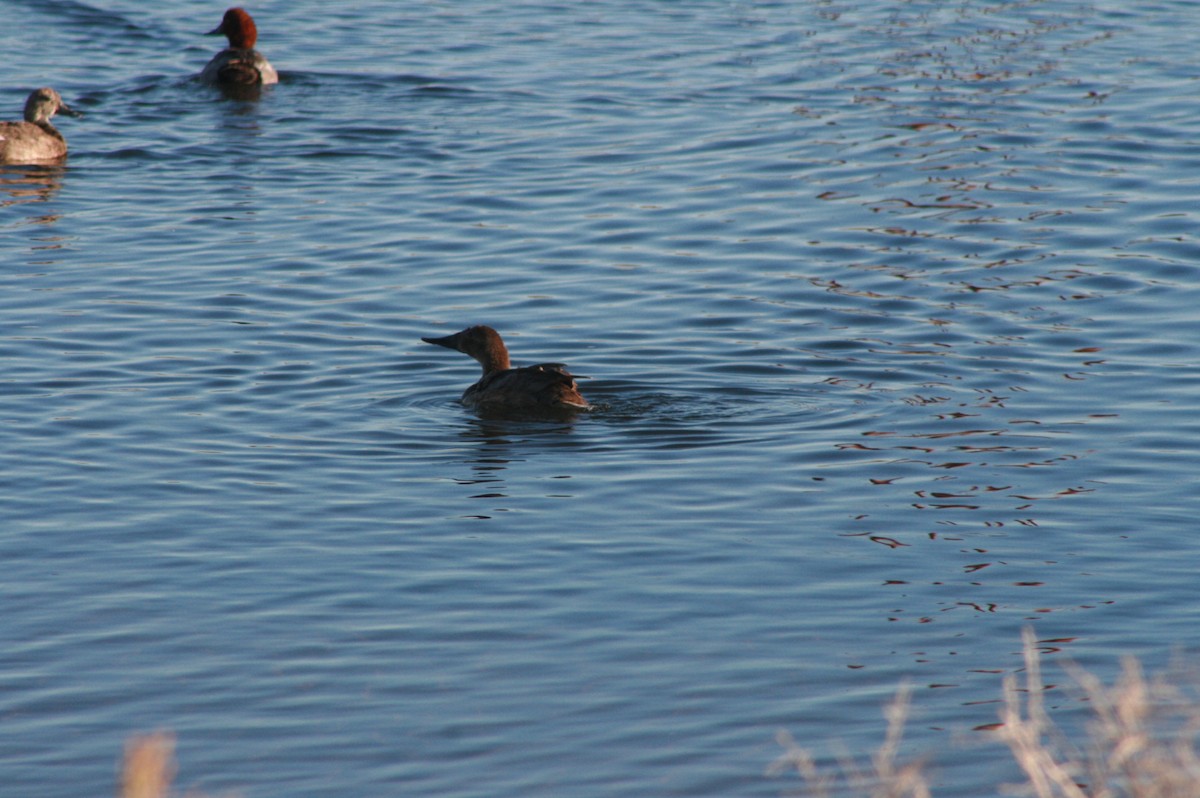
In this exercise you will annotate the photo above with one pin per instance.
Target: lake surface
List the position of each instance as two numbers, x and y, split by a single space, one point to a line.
889 315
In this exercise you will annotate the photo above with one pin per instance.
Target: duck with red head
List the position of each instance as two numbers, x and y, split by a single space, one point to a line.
544 388
239 64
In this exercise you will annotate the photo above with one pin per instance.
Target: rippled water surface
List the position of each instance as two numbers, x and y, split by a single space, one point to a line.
888 311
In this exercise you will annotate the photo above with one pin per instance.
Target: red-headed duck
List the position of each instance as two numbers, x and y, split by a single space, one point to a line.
239 64
545 387
35 140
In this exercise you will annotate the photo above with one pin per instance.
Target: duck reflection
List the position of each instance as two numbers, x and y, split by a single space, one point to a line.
20 185
500 443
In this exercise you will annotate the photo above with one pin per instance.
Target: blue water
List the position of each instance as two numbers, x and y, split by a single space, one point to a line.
888 311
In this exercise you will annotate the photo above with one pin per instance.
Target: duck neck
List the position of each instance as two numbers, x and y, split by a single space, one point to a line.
494 358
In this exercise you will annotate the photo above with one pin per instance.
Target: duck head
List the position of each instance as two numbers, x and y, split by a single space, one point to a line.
45 103
239 28
480 342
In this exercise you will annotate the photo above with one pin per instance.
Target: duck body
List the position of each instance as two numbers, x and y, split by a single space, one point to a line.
239 64
546 387
35 140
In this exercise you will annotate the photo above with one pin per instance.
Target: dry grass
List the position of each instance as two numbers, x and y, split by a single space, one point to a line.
1141 743
1141 739
884 779
149 766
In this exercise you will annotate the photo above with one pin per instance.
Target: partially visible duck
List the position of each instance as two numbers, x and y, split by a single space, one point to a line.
545 387
239 64
35 140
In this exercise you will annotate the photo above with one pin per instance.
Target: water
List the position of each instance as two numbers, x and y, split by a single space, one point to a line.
887 309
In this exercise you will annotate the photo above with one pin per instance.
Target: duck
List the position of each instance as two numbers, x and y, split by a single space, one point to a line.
35 140
239 64
546 387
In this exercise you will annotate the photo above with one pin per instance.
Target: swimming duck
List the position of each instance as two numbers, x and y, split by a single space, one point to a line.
35 140
239 64
545 387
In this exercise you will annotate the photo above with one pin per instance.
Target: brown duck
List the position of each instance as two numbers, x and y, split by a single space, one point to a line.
544 387
35 140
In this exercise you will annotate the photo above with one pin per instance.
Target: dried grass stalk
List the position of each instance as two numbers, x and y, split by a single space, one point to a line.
1141 742
886 778
149 766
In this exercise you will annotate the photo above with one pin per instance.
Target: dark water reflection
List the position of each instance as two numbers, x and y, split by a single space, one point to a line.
888 319
27 184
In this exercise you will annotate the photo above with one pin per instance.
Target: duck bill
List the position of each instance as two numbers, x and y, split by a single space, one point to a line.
448 341
63 109
217 31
